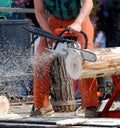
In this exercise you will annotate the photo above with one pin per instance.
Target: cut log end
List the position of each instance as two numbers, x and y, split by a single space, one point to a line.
4 105
74 62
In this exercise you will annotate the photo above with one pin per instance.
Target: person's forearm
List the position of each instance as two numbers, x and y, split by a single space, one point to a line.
85 10
40 15
42 20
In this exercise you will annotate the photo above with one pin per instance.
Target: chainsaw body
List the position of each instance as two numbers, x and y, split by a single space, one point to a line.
65 42
65 47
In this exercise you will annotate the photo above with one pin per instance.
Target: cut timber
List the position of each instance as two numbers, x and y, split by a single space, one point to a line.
70 122
4 105
107 63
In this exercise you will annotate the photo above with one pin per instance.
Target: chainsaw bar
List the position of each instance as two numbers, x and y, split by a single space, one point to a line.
89 56
40 32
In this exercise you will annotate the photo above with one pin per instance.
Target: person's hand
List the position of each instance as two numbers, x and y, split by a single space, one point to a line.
75 27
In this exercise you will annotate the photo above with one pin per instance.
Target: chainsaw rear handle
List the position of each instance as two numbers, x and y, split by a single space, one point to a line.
86 39
83 33
67 30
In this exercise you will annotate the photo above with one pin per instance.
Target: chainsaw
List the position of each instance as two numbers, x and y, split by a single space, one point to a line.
65 42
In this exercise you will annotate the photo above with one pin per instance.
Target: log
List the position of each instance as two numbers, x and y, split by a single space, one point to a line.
107 64
106 58
62 92
72 66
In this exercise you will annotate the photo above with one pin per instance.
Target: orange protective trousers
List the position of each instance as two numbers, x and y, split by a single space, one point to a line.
88 87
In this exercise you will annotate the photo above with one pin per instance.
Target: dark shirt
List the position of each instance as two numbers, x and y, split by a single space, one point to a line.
63 9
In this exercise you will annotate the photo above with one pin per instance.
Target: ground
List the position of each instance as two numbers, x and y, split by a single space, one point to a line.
19 115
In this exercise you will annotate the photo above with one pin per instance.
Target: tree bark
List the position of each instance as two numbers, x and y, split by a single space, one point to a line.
62 92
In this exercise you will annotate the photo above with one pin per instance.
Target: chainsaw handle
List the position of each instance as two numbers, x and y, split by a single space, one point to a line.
83 33
86 39
63 31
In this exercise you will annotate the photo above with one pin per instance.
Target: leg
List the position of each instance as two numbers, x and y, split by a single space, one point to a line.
88 28
42 65
88 87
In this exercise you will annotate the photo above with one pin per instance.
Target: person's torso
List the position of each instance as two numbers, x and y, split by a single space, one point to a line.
63 9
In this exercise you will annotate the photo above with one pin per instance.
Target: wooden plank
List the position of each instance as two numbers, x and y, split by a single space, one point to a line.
17 10
70 122
89 121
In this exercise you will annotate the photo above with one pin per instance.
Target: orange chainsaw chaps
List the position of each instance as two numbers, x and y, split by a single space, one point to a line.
88 90
88 28
42 82
41 76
